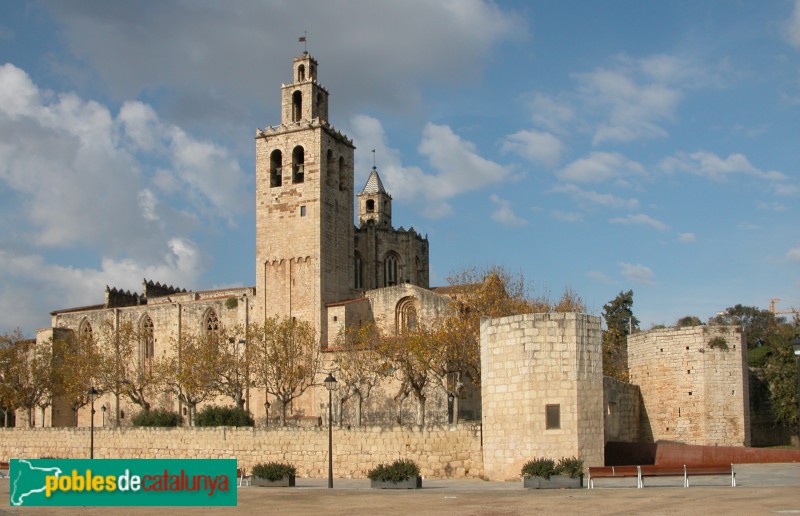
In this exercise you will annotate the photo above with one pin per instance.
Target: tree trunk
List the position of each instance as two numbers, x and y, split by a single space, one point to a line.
359 403
420 410
284 406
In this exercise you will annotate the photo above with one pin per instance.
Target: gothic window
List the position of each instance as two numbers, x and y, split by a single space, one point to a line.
275 168
301 73
297 106
148 341
358 271
298 159
86 330
406 315
370 205
342 175
211 325
333 178
418 271
390 270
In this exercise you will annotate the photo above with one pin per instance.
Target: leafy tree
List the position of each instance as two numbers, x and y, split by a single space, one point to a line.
190 372
284 358
124 369
780 374
757 324
688 321
620 322
24 374
360 366
411 354
76 362
231 364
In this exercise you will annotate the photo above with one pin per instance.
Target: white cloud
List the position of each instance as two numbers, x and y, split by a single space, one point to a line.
595 198
640 219
687 238
117 195
793 26
551 113
793 254
456 166
207 53
535 146
715 168
599 167
637 273
504 214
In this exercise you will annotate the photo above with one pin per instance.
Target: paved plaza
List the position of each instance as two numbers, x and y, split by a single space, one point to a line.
761 489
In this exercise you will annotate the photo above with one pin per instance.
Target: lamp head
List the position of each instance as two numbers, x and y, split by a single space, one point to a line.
330 382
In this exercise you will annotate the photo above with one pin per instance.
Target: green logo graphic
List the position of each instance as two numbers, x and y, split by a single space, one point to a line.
122 482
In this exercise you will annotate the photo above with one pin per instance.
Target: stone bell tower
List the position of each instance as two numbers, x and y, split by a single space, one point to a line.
304 206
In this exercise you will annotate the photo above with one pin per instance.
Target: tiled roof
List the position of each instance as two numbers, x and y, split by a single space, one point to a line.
374 184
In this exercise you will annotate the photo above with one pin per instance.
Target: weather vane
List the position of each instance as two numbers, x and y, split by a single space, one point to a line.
302 39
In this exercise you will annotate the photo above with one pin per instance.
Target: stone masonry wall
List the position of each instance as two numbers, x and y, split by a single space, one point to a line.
692 393
440 452
622 403
530 362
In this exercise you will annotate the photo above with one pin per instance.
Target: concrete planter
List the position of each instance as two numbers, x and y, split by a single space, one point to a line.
555 482
287 481
411 483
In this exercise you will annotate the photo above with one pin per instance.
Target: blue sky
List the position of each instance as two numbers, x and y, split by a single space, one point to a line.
599 146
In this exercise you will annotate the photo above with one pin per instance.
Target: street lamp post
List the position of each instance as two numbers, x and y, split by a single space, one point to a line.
92 393
330 384
796 349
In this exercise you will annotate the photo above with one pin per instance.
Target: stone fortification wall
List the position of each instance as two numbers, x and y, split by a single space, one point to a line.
622 402
692 392
532 365
440 452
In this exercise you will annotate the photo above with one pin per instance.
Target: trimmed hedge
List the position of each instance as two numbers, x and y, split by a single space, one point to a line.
223 416
545 468
273 471
157 417
398 471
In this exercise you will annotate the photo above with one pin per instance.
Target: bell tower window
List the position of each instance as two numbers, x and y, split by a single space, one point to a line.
297 106
342 175
275 168
298 159
301 73
370 205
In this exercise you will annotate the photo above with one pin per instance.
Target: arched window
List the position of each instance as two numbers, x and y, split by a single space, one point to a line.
275 168
370 205
417 271
333 176
301 73
390 270
406 315
297 106
342 174
85 332
148 341
358 271
211 325
298 159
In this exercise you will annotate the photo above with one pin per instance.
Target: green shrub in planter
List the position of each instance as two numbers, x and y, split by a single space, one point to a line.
273 471
157 417
223 416
570 466
398 471
539 467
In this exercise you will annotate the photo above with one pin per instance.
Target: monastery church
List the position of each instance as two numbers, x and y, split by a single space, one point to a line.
311 262
542 389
